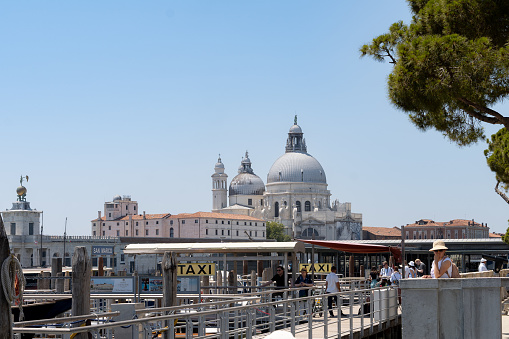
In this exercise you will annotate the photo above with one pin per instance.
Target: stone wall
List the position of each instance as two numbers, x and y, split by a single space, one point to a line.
452 308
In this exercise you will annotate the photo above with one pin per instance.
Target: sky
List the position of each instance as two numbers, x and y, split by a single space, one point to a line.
99 98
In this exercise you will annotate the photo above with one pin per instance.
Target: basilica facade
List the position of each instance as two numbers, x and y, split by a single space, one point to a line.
296 195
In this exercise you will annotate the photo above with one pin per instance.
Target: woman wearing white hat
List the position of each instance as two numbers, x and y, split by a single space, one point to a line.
410 272
442 265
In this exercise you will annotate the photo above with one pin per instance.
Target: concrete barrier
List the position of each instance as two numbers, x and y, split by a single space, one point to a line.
452 308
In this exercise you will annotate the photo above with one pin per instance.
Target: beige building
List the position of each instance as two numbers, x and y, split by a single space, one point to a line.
120 220
453 229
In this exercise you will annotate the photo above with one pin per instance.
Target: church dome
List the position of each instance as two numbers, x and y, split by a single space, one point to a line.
296 167
295 129
246 184
117 198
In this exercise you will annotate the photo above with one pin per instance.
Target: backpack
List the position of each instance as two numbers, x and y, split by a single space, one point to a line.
455 273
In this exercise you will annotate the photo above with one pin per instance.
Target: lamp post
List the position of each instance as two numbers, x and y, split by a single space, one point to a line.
42 227
65 233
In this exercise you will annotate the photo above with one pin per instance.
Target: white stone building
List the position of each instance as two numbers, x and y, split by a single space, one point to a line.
296 195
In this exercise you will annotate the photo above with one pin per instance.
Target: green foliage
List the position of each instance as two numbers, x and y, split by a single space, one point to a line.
276 230
505 237
451 64
497 156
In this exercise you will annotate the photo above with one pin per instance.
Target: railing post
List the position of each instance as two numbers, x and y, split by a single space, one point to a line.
272 318
224 325
350 302
293 316
361 299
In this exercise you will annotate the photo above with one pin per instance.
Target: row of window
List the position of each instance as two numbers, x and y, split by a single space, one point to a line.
183 222
172 233
30 228
307 206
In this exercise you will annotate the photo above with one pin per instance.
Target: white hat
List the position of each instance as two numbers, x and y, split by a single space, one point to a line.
483 260
411 263
438 245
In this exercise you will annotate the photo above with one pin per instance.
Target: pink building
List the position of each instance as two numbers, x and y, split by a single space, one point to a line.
121 219
453 229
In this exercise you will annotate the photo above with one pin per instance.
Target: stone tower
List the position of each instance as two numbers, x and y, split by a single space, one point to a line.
219 186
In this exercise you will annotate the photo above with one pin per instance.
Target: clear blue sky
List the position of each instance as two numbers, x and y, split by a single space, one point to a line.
99 98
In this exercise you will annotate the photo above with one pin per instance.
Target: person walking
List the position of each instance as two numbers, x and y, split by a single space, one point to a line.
332 286
482 265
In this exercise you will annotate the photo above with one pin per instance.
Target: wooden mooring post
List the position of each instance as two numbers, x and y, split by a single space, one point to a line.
81 272
5 306
169 267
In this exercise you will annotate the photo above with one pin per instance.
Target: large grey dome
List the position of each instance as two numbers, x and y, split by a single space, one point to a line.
246 184
296 167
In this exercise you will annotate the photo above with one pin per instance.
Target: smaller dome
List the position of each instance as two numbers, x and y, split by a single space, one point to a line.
117 197
246 184
295 129
219 163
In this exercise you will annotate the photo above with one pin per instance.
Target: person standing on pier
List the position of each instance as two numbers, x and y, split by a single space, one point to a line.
420 268
442 265
482 265
303 280
279 279
386 271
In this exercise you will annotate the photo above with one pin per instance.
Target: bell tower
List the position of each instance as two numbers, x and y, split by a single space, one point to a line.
219 186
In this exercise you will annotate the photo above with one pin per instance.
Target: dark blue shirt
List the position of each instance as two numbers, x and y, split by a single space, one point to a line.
307 280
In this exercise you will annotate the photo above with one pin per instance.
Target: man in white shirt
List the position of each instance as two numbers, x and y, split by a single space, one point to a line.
386 271
332 286
482 265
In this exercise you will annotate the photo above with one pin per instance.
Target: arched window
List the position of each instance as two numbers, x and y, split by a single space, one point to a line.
297 204
171 232
309 233
276 210
307 206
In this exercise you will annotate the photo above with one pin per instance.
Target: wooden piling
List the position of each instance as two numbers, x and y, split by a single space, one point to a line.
56 267
100 266
351 266
81 271
169 266
5 307
59 283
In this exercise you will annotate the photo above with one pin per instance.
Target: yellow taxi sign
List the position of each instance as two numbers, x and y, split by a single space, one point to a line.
196 269
319 268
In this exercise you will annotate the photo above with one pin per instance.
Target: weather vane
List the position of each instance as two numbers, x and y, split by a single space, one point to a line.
21 190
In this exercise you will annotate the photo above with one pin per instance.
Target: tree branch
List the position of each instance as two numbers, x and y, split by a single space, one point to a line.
502 194
495 119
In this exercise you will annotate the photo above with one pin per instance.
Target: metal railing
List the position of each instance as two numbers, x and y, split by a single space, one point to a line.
251 315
